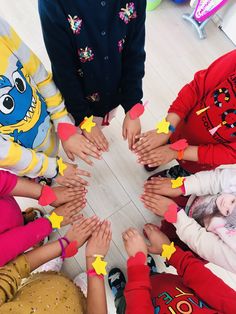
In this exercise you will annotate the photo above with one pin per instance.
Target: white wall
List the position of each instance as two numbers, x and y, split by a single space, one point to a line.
224 10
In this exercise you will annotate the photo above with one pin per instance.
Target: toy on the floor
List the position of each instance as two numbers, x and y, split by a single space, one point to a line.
152 4
179 1
202 14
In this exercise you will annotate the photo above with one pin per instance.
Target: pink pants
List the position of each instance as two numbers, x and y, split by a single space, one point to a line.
15 238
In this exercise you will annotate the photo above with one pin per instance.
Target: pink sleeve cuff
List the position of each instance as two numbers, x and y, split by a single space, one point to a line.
7 182
65 131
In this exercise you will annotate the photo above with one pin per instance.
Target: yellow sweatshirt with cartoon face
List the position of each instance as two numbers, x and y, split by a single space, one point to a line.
31 107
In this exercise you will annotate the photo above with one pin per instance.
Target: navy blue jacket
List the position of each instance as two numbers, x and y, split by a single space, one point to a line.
96 48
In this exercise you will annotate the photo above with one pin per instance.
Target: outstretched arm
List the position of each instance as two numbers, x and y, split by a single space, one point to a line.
26 162
211 182
206 244
12 273
203 282
98 244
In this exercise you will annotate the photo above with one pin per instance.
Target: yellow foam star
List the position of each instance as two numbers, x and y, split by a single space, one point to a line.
56 220
163 126
88 124
99 266
177 182
62 166
168 250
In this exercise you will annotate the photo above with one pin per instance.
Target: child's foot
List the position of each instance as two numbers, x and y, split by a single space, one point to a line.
116 281
81 282
152 264
134 242
156 238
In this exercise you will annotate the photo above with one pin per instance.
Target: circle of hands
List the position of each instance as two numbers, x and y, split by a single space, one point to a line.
151 149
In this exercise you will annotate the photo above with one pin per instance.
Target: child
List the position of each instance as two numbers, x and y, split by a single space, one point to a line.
50 292
193 290
97 55
204 115
216 212
15 237
31 111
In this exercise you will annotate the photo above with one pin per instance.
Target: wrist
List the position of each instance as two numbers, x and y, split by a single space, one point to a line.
96 263
191 153
37 191
64 242
89 262
47 196
173 118
65 131
179 147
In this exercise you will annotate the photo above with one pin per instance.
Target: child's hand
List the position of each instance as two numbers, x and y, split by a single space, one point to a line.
78 145
82 229
156 203
99 243
162 186
71 176
97 137
65 194
156 238
149 141
130 129
70 210
159 156
134 242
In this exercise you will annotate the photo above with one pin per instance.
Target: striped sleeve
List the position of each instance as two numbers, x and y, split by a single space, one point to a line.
37 71
24 161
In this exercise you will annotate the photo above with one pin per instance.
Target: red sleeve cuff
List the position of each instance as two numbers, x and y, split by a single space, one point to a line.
138 273
176 257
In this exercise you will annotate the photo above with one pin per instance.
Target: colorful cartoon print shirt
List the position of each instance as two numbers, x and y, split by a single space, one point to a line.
97 52
30 109
207 107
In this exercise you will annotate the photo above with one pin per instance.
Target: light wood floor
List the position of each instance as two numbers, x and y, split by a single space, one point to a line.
174 53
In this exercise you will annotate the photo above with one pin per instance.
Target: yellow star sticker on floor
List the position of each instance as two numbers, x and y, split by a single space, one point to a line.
99 266
56 220
177 182
168 250
62 166
163 126
88 124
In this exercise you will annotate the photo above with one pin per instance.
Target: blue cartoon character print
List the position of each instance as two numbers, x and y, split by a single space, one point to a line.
23 111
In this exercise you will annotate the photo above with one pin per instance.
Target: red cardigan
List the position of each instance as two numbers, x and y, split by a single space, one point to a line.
195 290
214 87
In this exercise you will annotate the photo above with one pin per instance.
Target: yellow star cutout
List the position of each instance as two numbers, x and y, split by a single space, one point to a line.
56 220
62 166
163 126
177 182
99 266
88 124
168 250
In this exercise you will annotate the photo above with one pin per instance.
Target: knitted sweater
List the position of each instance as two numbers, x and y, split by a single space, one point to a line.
97 53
